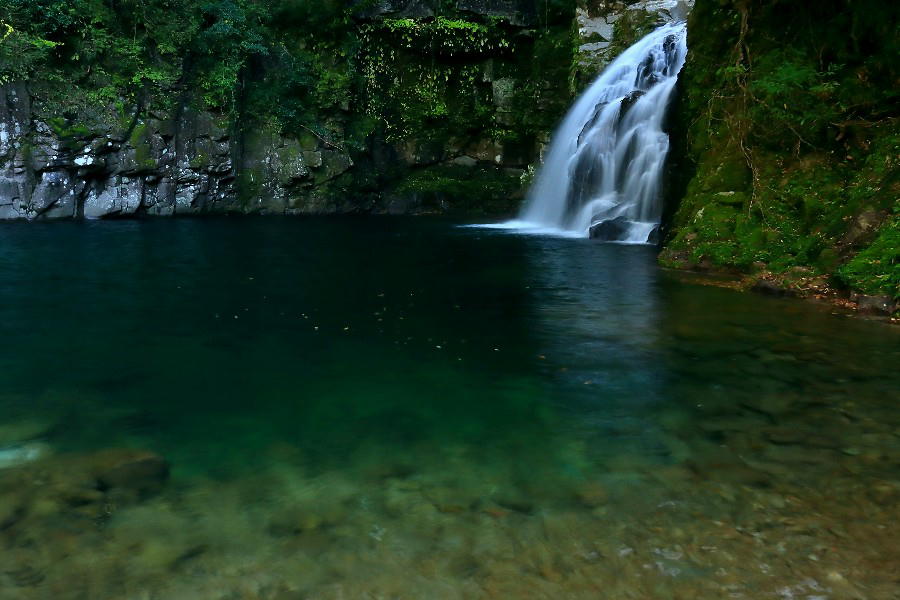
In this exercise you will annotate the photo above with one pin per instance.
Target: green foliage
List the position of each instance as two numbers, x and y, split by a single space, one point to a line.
792 156
126 49
19 52
452 37
305 68
232 33
471 189
441 96
792 99
876 270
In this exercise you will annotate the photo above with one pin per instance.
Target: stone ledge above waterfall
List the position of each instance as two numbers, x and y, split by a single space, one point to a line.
607 28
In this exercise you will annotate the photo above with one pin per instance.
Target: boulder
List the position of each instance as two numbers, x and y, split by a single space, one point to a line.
610 230
15 432
876 305
629 101
137 471
772 288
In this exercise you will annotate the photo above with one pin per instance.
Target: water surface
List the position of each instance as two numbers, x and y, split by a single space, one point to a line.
404 408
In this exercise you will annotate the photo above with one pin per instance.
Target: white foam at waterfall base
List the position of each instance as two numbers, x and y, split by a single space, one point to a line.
526 228
602 175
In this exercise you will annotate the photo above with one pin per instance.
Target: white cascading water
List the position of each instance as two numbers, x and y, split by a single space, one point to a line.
602 175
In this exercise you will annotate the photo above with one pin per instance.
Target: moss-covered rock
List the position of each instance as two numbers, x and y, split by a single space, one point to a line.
607 28
477 88
457 188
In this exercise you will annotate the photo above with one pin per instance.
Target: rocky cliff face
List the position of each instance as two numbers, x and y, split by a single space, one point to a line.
450 107
607 27
456 107
111 165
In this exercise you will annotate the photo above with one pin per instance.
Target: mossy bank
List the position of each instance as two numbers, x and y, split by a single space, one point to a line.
787 146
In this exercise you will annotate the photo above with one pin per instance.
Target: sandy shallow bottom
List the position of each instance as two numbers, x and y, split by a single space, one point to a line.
807 509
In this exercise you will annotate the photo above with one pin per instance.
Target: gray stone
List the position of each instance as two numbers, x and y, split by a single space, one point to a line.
876 305
116 196
136 471
313 159
54 196
398 9
465 161
597 22
504 91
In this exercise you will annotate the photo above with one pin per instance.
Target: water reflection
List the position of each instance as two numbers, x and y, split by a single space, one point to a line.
597 318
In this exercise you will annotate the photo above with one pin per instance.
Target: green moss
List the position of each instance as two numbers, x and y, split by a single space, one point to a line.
726 174
139 140
199 161
65 129
72 134
785 122
481 189
138 135
629 28
876 270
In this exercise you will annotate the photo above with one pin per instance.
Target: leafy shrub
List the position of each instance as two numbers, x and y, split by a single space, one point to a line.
791 98
876 270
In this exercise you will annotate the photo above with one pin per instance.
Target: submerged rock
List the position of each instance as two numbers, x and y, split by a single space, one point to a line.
876 305
79 485
629 101
611 230
592 494
771 288
138 471
14 456
619 228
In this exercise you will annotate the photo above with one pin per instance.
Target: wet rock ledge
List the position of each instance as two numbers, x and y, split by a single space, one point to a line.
187 162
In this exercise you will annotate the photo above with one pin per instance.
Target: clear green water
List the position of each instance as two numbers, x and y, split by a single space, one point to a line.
407 409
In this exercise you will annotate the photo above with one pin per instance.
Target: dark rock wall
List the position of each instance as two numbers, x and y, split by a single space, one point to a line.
187 162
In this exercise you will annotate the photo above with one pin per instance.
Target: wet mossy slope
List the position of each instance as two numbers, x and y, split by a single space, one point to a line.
787 144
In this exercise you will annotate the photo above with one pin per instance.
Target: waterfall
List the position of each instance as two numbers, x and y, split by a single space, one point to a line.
602 174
